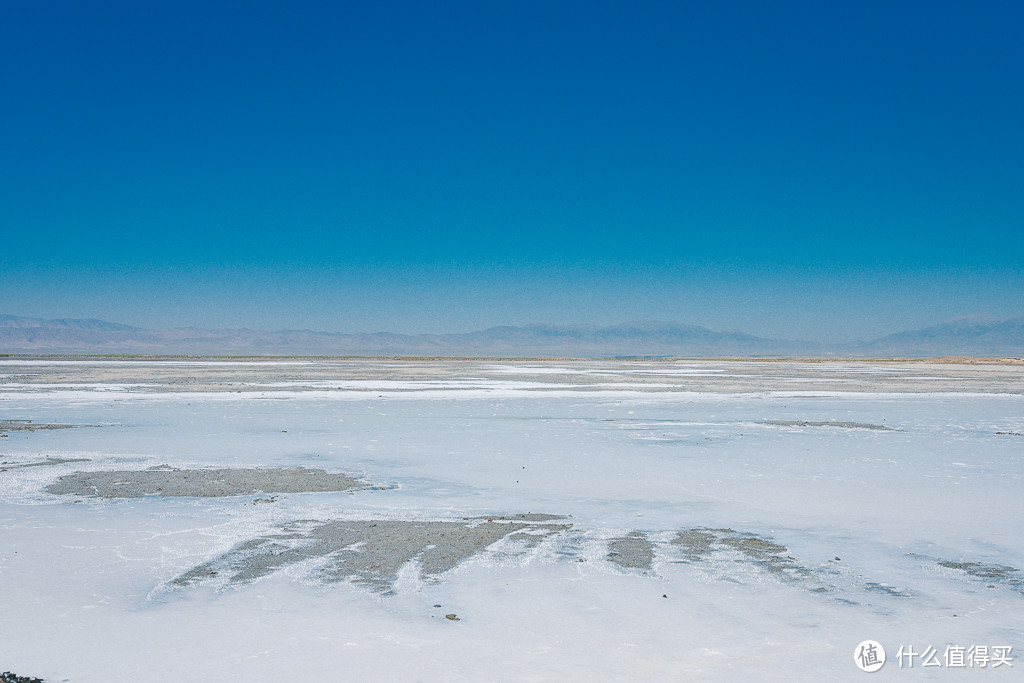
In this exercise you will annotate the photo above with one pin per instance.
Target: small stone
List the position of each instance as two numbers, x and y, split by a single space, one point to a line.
437 605
451 617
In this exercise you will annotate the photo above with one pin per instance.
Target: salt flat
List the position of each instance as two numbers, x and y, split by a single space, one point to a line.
505 520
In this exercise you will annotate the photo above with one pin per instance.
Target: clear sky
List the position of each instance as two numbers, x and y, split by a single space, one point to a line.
821 170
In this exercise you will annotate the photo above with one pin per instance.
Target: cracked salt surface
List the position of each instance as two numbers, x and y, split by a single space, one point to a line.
688 536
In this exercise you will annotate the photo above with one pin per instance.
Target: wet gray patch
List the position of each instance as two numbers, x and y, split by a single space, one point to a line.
773 558
28 426
996 573
367 552
765 553
166 481
523 517
886 589
701 544
844 425
4 466
696 543
754 546
632 551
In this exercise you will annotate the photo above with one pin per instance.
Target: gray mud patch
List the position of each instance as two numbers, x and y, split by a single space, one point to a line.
995 573
524 517
843 425
696 543
366 552
700 544
199 483
717 549
755 547
4 466
28 426
632 551
887 590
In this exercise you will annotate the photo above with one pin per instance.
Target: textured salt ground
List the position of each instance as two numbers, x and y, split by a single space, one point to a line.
992 574
705 546
369 552
700 543
374 553
28 426
870 560
811 423
200 483
365 375
47 462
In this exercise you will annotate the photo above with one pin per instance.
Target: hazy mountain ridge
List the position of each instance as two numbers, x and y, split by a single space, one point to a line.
13 321
36 335
956 337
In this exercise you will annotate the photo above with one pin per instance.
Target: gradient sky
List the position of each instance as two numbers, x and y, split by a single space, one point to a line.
828 171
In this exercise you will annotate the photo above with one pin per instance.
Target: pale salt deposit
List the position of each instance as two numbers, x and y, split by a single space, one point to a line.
580 520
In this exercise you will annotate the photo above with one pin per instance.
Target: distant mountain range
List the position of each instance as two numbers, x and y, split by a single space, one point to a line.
71 336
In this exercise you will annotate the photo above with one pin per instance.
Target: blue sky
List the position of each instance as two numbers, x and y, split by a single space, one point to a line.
828 171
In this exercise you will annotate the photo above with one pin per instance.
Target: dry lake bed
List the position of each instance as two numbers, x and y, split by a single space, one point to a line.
336 519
